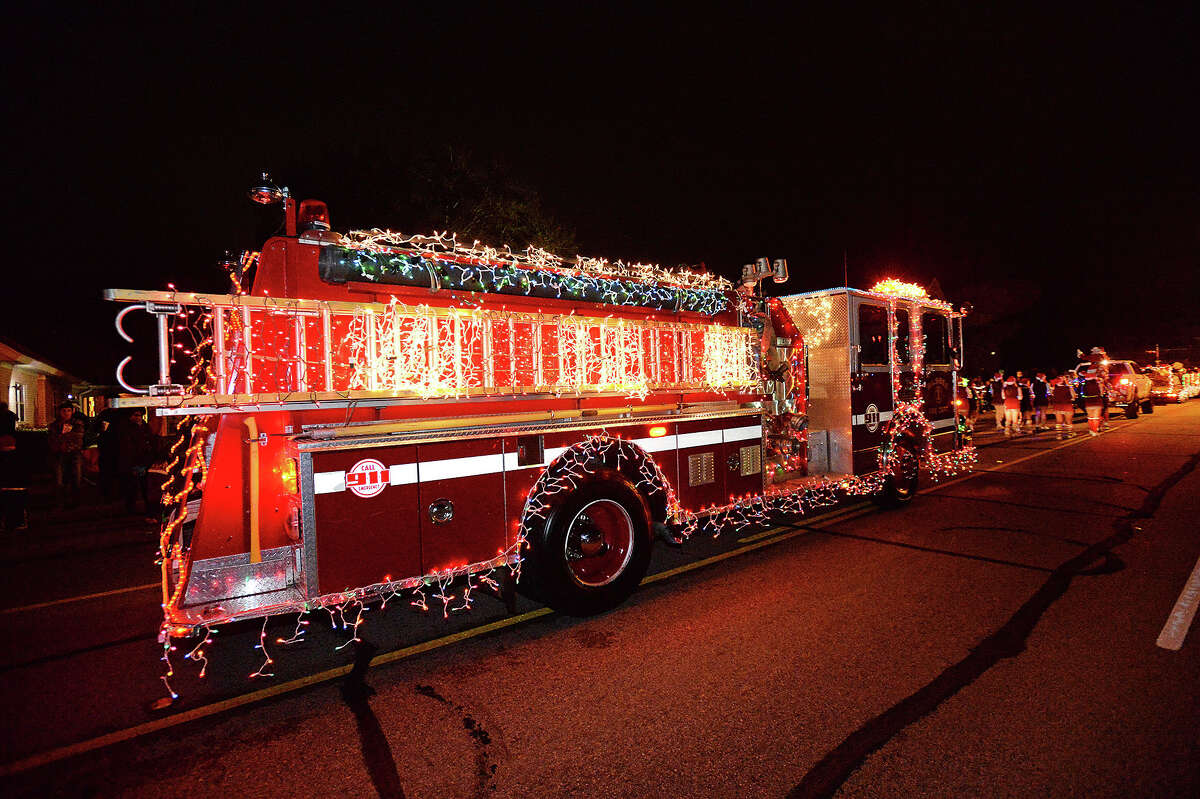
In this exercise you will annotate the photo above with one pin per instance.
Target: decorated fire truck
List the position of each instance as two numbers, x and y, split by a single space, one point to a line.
369 414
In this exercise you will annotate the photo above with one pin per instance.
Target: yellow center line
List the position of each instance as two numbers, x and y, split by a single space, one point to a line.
823 517
62 752
69 599
71 750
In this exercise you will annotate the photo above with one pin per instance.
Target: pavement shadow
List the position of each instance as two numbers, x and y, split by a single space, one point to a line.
377 752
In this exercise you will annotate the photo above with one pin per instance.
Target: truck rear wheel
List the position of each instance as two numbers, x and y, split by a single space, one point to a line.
593 550
1131 410
904 474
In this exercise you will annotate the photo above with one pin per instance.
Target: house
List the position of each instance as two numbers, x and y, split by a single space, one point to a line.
34 388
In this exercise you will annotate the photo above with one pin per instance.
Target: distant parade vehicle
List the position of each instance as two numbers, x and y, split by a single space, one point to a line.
370 413
1189 384
1170 383
1128 386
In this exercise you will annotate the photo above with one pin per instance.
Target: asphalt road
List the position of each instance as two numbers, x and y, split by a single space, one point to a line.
995 638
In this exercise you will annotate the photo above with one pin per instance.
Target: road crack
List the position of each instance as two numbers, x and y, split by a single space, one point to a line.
485 769
832 771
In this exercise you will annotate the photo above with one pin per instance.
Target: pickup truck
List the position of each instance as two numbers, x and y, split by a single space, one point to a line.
1127 386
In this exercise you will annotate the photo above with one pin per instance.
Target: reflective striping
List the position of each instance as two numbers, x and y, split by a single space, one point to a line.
858 419
460 467
754 431
402 474
660 444
942 423
700 439
471 466
329 482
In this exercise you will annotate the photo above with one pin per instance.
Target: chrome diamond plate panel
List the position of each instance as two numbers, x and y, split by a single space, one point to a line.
824 322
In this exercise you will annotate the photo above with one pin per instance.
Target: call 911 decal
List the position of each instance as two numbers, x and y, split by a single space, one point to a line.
367 478
871 417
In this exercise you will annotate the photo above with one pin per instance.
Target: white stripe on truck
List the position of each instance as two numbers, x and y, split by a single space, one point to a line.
473 465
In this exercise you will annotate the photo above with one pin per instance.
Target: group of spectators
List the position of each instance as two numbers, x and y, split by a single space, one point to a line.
117 446
1026 404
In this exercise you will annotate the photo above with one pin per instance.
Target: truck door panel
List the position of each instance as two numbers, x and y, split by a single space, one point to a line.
742 457
461 502
702 468
870 383
361 540
939 390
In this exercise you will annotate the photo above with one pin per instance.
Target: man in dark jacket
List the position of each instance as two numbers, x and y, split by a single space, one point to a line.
134 455
66 455
8 420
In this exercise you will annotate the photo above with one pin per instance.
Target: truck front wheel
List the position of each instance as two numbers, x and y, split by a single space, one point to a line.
593 550
900 483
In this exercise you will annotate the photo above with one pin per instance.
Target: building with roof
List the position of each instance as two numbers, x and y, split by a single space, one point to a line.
34 388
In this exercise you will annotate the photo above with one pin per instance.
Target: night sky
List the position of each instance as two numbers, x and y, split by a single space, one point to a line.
1040 164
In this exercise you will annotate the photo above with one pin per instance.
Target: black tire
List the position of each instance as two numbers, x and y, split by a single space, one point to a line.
1131 410
1148 406
902 481
593 550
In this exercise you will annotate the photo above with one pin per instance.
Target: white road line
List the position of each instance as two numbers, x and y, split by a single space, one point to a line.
1176 628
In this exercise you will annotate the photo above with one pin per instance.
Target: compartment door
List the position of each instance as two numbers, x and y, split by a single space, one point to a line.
364 517
702 467
743 461
461 500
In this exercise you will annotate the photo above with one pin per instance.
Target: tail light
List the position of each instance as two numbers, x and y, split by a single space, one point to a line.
288 476
314 215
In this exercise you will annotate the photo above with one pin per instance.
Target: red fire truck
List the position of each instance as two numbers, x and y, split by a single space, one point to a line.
380 413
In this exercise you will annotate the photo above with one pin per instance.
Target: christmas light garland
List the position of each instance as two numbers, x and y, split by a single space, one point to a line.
439 261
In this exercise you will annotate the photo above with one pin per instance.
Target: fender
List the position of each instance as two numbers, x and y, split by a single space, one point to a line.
578 462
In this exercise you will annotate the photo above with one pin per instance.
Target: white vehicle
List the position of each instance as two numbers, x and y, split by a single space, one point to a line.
1128 387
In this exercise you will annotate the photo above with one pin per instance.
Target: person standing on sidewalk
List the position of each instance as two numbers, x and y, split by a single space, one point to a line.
1013 397
66 455
8 420
1063 396
134 455
996 395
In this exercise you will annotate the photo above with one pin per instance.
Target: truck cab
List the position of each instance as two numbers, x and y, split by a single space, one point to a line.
869 353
